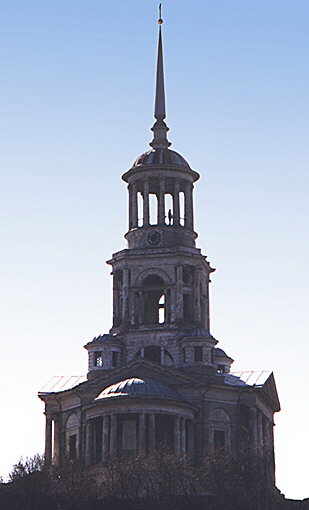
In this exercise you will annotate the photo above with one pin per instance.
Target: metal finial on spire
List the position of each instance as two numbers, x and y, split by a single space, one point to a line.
159 128
160 20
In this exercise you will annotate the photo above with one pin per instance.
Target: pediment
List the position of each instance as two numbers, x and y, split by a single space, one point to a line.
269 389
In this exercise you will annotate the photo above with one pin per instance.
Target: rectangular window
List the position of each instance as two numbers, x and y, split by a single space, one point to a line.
198 354
115 358
98 359
72 447
219 439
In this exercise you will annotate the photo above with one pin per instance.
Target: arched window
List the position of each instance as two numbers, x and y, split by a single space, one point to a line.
140 215
182 207
154 300
72 436
168 200
220 431
153 209
162 309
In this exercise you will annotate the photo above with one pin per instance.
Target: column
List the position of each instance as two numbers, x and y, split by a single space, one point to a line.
146 203
253 429
177 435
125 294
190 438
167 311
88 456
162 355
176 207
152 432
140 310
115 301
56 456
105 445
260 432
141 434
183 436
134 208
130 205
48 438
161 202
113 434
197 295
273 469
172 304
179 293
189 205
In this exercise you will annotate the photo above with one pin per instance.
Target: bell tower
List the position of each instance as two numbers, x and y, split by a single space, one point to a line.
160 282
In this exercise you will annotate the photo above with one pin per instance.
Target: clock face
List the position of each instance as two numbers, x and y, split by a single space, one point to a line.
154 238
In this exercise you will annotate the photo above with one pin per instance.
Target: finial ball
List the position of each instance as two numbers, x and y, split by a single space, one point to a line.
160 21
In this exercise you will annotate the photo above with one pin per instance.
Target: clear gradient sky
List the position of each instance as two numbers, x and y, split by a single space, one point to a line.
77 81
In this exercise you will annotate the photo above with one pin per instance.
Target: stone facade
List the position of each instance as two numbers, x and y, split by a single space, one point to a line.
157 378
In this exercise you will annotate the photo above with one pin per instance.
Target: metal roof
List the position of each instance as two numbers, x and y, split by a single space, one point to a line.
62 383
140 387
161 157
247 377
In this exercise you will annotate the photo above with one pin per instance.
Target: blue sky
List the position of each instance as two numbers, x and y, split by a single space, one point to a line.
76 104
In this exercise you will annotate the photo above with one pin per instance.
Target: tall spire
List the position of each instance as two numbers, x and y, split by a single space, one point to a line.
159 128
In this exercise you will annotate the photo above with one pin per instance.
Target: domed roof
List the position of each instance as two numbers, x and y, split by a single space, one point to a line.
136 387
161 156
220 353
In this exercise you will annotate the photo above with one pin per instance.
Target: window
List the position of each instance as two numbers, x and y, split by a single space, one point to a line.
115 358
168 202
72 447
154 300
153 209
184 357
219 439
98 359
162 309
220 369
198 354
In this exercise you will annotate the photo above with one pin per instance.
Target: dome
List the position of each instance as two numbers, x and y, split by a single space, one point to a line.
136 387
161 157
220 353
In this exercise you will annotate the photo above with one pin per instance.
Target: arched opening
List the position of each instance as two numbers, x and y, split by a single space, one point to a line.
168 200
71 437
153 209
154 300
140 216
182 207
162 309
153 353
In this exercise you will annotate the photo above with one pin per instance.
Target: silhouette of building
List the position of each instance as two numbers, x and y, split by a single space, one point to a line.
158 379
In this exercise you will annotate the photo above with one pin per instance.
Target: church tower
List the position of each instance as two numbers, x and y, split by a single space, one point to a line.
157 379
160 282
